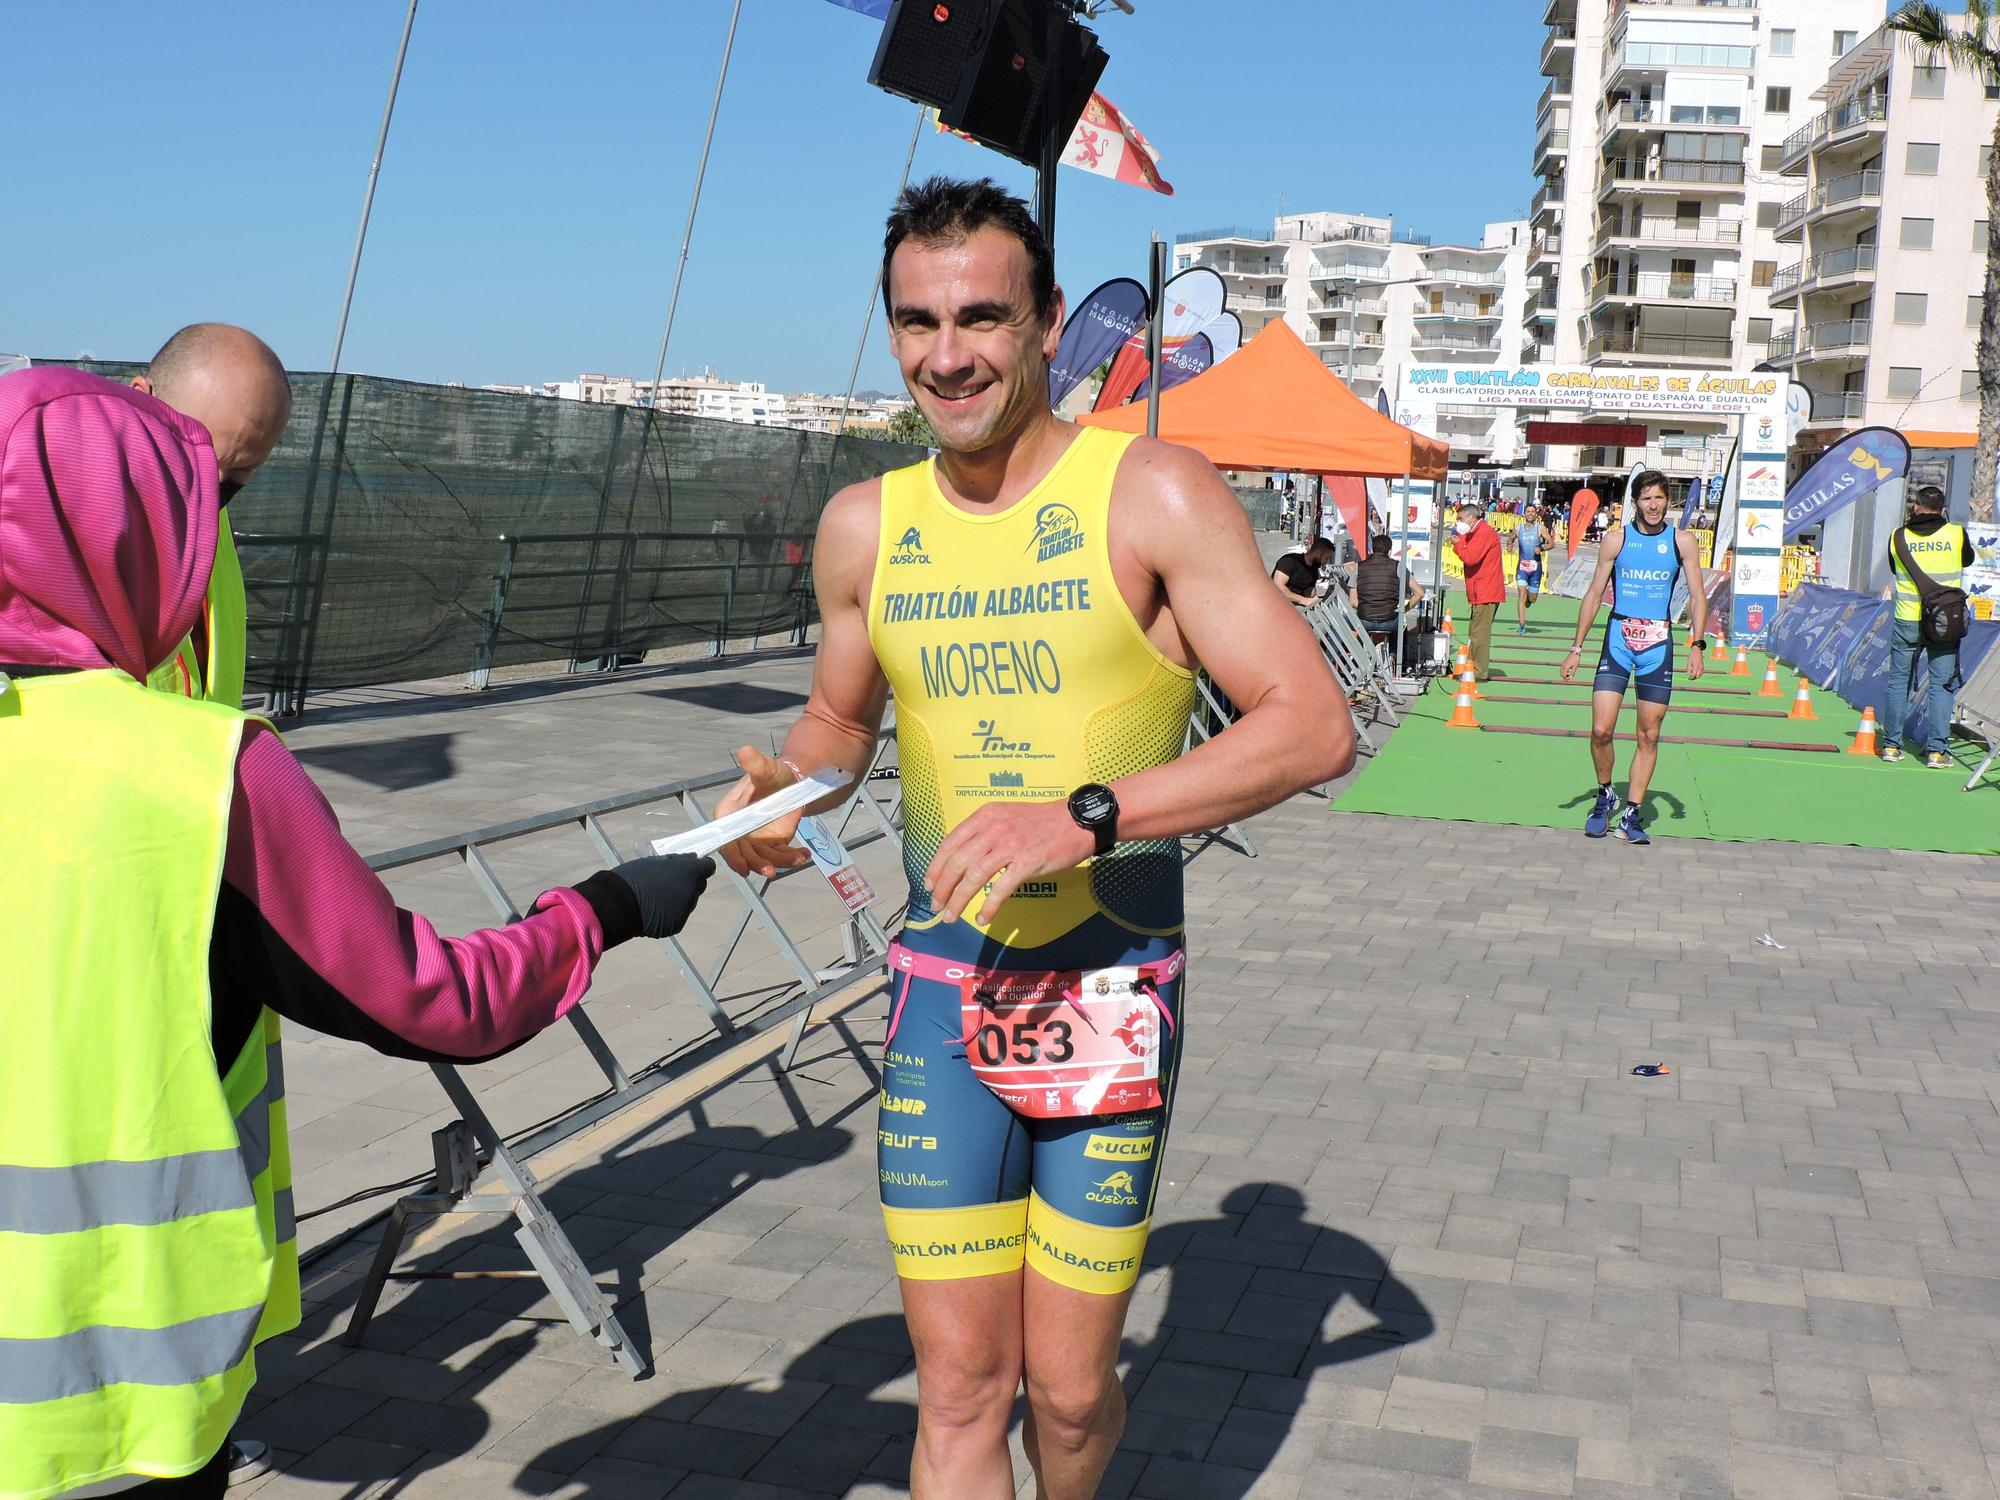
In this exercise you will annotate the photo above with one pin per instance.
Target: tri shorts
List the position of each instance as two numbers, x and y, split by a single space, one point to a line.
969 1187
1651 671
1529 576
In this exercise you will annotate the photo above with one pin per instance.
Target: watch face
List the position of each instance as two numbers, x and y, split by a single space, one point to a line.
1093 804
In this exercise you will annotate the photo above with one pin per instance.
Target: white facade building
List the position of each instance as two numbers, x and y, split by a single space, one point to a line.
1371 301
1878 309
702 395
1658 142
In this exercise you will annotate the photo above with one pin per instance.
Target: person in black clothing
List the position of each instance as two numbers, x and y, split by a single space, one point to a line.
1297 573
1375 588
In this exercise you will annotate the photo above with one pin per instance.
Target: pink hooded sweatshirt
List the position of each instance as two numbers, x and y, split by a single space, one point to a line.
108 514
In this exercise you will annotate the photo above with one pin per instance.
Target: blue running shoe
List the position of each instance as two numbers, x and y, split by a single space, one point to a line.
1599 822
1631 829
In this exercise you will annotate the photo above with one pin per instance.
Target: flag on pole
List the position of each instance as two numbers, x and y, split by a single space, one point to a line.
1107 143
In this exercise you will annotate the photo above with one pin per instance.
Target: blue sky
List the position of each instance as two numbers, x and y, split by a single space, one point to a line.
168 163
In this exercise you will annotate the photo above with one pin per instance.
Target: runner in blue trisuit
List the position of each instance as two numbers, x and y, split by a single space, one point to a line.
1641 563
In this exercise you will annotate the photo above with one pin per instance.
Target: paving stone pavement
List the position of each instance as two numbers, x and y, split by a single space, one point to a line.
1423 1233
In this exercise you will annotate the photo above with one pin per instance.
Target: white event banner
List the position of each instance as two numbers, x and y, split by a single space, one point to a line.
1756 398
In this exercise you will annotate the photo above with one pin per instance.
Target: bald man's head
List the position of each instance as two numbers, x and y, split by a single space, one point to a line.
228 380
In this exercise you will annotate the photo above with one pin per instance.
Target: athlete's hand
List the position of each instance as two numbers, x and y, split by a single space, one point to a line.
1005 843
1569 666
1695 664
769 849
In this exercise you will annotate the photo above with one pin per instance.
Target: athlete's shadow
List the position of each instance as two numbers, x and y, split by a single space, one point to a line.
1253 1290
1676 809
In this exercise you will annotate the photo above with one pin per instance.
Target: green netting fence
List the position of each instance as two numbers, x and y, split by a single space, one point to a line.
404 531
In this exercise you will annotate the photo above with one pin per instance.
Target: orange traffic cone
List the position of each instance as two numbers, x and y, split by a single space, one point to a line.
1468 681
1462 660
1864 737
1742 667
1462 716
1447 622
1802 704
1718 652
1769 687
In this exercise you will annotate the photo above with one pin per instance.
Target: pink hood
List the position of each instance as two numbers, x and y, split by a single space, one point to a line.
108 508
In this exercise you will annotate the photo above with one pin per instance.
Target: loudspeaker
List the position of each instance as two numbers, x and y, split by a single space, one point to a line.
985 66
1000 98
926 47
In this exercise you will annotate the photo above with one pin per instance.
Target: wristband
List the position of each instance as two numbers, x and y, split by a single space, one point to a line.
792 766
1574 651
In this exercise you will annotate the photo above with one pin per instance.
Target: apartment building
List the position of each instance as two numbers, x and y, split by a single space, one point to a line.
703 395
1879 306
1654 227
1371 300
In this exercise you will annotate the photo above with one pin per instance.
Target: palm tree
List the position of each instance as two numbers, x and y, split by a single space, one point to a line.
1971 44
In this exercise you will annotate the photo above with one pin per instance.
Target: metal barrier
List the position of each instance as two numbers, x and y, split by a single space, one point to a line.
1978 708
1356 664
479 1171
789 577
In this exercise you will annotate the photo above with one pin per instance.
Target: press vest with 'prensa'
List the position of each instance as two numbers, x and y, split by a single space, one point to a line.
146 1239
1019 675
1942 557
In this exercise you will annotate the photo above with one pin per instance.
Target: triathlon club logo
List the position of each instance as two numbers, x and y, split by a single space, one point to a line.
911 548
1056 531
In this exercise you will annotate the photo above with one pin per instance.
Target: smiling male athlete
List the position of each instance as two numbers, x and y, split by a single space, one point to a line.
1641 562
1037 598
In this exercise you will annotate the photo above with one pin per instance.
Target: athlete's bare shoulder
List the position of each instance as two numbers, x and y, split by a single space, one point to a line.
1163 484
849 529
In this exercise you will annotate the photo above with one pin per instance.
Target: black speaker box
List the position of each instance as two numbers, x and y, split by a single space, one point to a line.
926 46
985 65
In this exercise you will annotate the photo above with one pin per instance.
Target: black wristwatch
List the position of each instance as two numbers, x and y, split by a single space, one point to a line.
1094 806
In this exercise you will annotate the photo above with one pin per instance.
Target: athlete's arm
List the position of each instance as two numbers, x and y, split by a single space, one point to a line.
1191 537
1690 551
843 712
1592 598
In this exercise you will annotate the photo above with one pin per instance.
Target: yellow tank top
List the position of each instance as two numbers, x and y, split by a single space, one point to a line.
1020 675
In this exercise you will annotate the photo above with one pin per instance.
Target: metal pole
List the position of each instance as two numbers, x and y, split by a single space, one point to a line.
1353 296
1156 277
694 202
1053 89
368 198
1403 551
874 290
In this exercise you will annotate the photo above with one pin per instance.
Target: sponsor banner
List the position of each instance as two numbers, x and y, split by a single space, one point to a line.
1582 508
1763 481
1851 632
1756 572
1188 304
1183 362
1981 581
1097 330
1857 464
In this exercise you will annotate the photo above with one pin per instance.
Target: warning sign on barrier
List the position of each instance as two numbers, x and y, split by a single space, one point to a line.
832 860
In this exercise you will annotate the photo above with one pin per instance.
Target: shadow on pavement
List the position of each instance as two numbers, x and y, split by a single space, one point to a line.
395 765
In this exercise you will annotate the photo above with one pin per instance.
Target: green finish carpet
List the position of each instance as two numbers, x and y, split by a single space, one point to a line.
1427 770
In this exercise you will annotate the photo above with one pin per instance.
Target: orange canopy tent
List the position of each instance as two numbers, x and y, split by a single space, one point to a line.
1273 405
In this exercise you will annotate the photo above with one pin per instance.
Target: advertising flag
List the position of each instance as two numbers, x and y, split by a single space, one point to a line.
1857 464
1378 489
1351 496
1188 304
1582 507
1098 328
1107 143
1184 363
1626 511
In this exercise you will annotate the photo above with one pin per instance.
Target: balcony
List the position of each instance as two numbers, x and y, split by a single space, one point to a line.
1460 276
1671 175
1792 217
1553 143
1376 307
1824 272
1856 192
1841 409
1650 115
1455 342
1656 230
1559 49
1337 339
1706 348
1468 311
1264 301
1349 273
1857 119
1227 232
1547 246
1256 270
1843 338
1780 349
1663 286
1548 200
1558 88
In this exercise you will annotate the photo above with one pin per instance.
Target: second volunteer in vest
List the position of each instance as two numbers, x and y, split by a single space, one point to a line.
172 878
1943 552
1038 599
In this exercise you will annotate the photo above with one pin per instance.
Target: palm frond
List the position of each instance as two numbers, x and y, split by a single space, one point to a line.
1966 47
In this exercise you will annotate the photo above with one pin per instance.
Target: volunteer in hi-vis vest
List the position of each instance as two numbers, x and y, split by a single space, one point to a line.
230 381
1037 598
1943 552
172 881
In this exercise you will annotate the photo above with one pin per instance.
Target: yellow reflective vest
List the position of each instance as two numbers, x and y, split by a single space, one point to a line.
144 1198
1942 557
226 615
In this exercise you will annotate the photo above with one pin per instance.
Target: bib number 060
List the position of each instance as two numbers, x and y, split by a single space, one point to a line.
1025 1042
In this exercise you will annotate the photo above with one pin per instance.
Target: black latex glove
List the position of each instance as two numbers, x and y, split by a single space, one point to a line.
666 888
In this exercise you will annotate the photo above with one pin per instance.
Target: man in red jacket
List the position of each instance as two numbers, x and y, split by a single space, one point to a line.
1478 547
